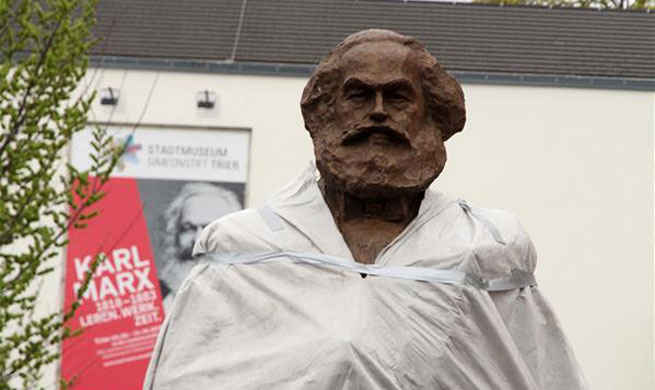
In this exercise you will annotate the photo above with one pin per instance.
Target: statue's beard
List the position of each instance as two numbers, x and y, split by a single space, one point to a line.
371 165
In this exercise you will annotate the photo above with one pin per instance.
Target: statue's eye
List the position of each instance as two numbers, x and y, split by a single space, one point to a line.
357 94
397 97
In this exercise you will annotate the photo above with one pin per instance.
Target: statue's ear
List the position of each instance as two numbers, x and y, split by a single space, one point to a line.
444 97
439 129
446 104
309 104
309 117
309 130
318 97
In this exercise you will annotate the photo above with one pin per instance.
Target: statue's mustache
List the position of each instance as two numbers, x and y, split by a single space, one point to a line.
361 133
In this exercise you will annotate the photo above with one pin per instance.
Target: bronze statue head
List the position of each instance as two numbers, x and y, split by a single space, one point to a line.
379 108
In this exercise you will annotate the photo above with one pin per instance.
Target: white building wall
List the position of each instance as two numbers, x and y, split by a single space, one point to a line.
575 164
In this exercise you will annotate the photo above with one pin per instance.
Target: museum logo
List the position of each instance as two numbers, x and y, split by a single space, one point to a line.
130 154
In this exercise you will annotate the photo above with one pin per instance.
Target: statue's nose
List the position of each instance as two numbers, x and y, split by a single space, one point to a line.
379 114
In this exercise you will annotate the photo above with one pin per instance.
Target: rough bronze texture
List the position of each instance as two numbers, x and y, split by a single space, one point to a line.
379 108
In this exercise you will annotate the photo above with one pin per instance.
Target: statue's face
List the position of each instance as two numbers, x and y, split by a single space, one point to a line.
380 142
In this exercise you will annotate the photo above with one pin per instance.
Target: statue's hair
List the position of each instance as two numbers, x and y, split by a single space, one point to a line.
171 216
443 94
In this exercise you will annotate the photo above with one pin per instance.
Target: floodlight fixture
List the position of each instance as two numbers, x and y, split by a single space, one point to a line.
109 96
206 99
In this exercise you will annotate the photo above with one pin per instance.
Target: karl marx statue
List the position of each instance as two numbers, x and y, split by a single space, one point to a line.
366 278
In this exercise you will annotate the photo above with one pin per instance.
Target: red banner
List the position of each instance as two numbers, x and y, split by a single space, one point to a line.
168 185
122 308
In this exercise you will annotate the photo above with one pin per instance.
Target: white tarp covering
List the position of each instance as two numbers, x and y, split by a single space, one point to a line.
280 304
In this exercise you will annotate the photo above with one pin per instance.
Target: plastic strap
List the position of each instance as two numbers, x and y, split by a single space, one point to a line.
272 220
484 220
517 280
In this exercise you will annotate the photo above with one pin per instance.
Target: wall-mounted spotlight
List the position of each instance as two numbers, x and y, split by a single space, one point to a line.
109 96
205 99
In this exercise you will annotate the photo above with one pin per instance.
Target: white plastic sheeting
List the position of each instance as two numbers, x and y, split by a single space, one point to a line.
279 303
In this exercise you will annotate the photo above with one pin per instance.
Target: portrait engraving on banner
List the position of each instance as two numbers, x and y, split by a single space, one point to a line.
176 211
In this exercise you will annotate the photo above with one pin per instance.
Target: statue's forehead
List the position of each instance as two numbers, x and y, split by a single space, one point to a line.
379 62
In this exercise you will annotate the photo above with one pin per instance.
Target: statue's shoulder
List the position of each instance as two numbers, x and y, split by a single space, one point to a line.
499 240
237 232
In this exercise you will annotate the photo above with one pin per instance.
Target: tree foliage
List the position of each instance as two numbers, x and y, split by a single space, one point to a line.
599 4
44 46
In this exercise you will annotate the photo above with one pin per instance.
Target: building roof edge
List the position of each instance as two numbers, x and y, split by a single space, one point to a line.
304 70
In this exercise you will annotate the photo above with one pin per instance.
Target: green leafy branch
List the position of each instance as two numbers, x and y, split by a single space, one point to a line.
43 48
